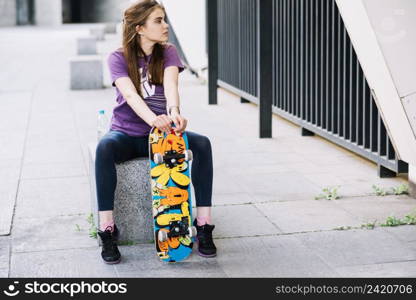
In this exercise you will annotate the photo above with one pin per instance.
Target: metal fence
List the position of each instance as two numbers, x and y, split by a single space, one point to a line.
317 81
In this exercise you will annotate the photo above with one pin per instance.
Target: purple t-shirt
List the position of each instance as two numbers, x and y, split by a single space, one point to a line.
124 118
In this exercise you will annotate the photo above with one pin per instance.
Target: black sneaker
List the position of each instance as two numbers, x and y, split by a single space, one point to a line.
109 252
206 247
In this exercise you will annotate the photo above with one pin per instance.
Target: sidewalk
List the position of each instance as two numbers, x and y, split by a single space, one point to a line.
267 221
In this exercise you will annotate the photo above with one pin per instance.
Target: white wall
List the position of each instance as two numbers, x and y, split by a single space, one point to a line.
188 20
383 35
7 13
48 12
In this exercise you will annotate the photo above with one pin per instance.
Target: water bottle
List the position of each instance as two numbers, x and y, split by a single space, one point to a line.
102 124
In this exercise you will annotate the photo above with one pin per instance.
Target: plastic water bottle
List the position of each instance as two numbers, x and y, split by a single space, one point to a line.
102 124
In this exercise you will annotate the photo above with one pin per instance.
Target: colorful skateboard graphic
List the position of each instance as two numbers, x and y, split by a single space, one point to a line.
172 207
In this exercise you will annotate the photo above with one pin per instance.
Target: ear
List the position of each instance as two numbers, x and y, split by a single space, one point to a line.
138 29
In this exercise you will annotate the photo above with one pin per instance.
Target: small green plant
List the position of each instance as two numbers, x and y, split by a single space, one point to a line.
77 227
410 219
370 225
343 228
401 189
93 233
93 228
393 221
329 193
379 191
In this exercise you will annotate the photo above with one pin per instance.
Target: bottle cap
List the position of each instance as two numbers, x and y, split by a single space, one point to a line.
101 112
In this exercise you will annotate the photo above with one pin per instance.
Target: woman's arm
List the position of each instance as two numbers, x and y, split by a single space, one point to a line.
170 84
129 92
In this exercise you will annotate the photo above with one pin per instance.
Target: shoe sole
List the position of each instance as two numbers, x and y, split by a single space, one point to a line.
202 254
112 262
206 255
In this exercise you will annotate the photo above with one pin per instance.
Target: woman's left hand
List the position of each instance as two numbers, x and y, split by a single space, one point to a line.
179 121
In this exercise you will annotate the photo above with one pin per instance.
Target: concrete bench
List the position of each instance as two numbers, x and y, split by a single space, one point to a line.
86 46
110 28
86 72
98 32
132 201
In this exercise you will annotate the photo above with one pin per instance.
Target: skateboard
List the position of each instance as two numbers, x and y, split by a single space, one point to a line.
169 157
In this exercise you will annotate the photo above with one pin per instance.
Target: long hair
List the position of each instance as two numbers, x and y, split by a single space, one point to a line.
137 14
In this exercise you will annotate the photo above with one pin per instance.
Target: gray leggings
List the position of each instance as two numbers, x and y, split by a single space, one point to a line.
116 147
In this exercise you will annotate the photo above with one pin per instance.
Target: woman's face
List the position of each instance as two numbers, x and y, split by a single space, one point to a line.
155 29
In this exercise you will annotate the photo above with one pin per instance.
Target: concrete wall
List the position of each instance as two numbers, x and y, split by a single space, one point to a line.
103 10
7 13
48 12
382 33
189 29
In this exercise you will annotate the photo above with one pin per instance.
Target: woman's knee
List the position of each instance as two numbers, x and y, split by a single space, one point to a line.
105 147
201 142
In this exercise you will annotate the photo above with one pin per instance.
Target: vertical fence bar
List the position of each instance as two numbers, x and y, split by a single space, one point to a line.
302 62
295 58
281 50
264 80
212 51
291 57
321 63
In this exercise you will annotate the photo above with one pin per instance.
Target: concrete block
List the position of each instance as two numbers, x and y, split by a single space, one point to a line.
110 28
132 198
48 12
7 13
98 32
86 46
86 72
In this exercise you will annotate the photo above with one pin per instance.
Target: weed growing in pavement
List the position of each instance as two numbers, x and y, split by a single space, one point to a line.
93 228
370 225
379 191
398 190
401 189
329 193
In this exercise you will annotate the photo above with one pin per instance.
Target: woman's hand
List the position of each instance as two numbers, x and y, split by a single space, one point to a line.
162 122
179 121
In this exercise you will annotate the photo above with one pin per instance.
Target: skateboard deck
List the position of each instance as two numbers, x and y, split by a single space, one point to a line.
169 157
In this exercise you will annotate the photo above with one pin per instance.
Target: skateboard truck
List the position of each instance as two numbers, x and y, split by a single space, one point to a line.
177 229
172 157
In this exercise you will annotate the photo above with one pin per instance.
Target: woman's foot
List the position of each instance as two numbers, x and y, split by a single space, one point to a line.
109 252
206 247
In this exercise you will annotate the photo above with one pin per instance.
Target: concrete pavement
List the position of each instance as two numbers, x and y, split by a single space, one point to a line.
268 223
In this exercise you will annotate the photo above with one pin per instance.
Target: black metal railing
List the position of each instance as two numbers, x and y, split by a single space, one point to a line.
317 80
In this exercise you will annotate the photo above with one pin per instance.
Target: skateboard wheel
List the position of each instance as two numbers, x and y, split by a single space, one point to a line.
162 235
158 158
192 231
188 155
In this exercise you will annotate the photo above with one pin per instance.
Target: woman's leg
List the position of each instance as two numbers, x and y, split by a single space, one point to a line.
202 168
202 174
113 148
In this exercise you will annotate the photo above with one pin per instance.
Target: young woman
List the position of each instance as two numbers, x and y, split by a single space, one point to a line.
145 73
